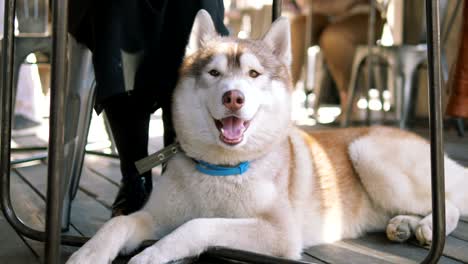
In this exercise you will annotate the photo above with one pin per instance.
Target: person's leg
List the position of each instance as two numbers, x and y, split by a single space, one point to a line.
117 44
339 41
129 127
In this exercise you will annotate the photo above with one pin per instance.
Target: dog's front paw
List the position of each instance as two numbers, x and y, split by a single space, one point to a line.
87 255
399 229
398 233
148 256
424 233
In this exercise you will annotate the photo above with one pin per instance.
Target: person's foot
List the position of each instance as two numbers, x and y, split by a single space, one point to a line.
132 195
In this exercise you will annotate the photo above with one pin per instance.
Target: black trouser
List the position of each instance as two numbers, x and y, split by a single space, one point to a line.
159 31
129 126
119 27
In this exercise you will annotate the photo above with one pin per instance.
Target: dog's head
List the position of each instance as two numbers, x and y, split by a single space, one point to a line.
232 101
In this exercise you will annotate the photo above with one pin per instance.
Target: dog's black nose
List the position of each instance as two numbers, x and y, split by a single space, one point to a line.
233 100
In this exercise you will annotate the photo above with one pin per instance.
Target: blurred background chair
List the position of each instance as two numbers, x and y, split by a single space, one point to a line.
457 105
33 36
79 107
32 33
402 60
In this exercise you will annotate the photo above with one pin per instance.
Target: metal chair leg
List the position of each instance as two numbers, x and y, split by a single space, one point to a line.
358 61
57 131
379 83
436 132
406 100
78 106
408 93
410 58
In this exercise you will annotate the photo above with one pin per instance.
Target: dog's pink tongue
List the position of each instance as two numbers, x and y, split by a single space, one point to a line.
233 127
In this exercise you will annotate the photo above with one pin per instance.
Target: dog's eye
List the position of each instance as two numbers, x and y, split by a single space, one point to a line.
214 73
254 73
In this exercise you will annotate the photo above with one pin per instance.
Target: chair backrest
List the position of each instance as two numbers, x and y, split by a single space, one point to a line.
32 15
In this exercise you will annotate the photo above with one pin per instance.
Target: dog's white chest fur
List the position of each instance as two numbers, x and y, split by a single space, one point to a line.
183 193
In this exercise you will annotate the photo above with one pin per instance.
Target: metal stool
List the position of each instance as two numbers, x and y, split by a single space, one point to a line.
78 106
403 62
33 34
35 37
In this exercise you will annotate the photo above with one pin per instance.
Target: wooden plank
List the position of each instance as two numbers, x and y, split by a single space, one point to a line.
456 249
105 167
377 252
31 140
13 250
98 188
455 147
311 259
87 215
340 252
461 232
464 163
86 223
409 252
30 208
457 151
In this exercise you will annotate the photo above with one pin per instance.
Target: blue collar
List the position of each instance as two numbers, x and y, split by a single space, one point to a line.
217 170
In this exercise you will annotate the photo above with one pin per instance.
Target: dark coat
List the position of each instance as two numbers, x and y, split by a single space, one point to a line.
157 28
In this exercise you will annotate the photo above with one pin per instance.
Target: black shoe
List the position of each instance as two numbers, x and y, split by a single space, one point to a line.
132 195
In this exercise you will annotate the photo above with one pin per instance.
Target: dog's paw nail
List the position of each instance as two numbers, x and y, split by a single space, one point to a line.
424 234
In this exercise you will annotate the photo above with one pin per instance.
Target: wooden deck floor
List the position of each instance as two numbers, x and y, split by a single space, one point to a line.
99 185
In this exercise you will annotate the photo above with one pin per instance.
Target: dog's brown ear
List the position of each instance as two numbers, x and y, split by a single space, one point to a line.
278 38
203 30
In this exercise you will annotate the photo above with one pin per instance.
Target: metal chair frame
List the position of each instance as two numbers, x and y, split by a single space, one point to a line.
52 237
402 61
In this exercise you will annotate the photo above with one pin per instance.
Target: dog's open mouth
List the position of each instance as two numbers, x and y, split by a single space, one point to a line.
232 129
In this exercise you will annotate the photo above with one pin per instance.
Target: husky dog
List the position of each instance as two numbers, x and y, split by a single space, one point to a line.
248 179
